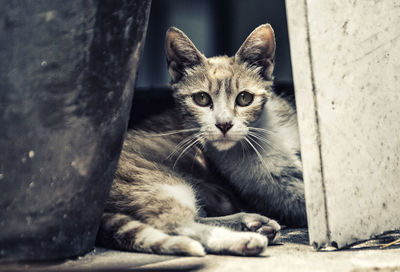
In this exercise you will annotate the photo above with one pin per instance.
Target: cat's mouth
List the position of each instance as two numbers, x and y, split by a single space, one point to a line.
224 139
224 143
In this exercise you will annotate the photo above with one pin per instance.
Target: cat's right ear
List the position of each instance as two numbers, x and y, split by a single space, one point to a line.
258 50
181 53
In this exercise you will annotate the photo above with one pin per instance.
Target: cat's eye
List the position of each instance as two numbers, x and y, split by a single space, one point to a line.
202 99
244 99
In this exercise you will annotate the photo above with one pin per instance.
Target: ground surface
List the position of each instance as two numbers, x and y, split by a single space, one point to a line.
292 254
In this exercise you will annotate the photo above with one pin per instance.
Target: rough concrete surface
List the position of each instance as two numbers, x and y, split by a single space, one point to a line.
346 75
292 253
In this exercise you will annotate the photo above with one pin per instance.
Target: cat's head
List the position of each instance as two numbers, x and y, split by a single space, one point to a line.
222 96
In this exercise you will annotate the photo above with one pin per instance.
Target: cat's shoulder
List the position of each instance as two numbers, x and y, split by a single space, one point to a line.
167 120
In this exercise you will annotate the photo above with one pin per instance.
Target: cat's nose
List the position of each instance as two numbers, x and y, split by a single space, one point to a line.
224 127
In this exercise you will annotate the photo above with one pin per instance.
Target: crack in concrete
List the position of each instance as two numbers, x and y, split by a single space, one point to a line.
318 132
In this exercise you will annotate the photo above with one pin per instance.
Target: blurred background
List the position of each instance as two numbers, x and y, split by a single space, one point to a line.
216 28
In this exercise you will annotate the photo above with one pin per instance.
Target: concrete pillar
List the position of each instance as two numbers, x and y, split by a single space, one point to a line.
346 69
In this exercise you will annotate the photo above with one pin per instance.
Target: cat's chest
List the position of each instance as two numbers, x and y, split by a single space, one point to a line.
243 164
237 164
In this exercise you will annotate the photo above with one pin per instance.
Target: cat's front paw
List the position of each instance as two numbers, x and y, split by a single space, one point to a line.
248 244
261 224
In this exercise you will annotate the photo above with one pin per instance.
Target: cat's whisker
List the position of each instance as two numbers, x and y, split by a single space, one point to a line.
261 158
183 149
267 131
194 158
181 145
265 140
258 144
244 149
190 145
173 132
267 164
202 138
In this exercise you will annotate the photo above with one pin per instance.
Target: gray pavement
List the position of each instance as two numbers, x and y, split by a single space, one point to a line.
292 253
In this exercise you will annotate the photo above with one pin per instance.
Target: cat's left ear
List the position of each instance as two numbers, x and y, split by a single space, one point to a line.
258 50
181 53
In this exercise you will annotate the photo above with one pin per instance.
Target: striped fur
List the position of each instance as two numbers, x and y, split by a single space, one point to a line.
182 183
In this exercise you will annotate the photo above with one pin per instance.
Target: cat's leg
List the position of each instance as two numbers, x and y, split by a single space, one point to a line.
162 220
120 231
222 240
181 221
246 222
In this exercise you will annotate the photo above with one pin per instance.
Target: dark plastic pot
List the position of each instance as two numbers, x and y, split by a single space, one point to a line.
66 82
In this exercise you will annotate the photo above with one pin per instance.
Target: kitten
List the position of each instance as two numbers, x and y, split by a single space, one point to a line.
229 143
